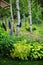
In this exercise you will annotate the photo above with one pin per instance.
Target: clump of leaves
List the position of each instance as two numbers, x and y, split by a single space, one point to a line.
20 51
25 51
33 28
36 51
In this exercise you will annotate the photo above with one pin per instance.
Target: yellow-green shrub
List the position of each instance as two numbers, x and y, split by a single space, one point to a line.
24 51
36 51
21 51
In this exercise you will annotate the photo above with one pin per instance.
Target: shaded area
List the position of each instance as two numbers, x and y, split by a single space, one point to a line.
8 61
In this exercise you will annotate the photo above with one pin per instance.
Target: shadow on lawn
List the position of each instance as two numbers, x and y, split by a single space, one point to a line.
9 61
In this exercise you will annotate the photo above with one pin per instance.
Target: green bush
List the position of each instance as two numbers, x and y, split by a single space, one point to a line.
25 51
27 28
33 28
20 51
6 42
36 51
4 37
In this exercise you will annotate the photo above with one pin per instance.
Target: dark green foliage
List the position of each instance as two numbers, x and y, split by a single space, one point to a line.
36 12
0 24
28 28
5 38
6 42
8 61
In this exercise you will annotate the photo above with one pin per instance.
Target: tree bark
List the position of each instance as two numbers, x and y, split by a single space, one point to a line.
11 16
30 15
18 16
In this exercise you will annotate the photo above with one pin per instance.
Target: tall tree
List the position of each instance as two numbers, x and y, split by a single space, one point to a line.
30 14
18 16
11 16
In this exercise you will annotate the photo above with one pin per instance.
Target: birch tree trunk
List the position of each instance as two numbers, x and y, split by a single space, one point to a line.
30 15
12 23
18 16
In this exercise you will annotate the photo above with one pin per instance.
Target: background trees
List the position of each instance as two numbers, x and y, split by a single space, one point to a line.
36 10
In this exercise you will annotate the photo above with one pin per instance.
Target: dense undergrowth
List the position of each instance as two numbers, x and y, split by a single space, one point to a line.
19 47
6 41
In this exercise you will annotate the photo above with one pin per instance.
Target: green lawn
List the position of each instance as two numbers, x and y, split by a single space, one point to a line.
8 61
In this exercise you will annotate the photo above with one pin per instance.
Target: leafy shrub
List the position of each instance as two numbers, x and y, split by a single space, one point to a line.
6 42
25 51
36 51
33 28
20 51
5 49
4 37
27 28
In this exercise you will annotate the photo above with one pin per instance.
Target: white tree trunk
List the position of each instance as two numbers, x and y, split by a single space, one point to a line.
11 16
18 16
30 14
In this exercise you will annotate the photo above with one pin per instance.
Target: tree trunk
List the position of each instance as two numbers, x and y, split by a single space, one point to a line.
11 16
18 16
30 15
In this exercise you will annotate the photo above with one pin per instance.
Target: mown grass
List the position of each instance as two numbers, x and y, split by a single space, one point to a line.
8 61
